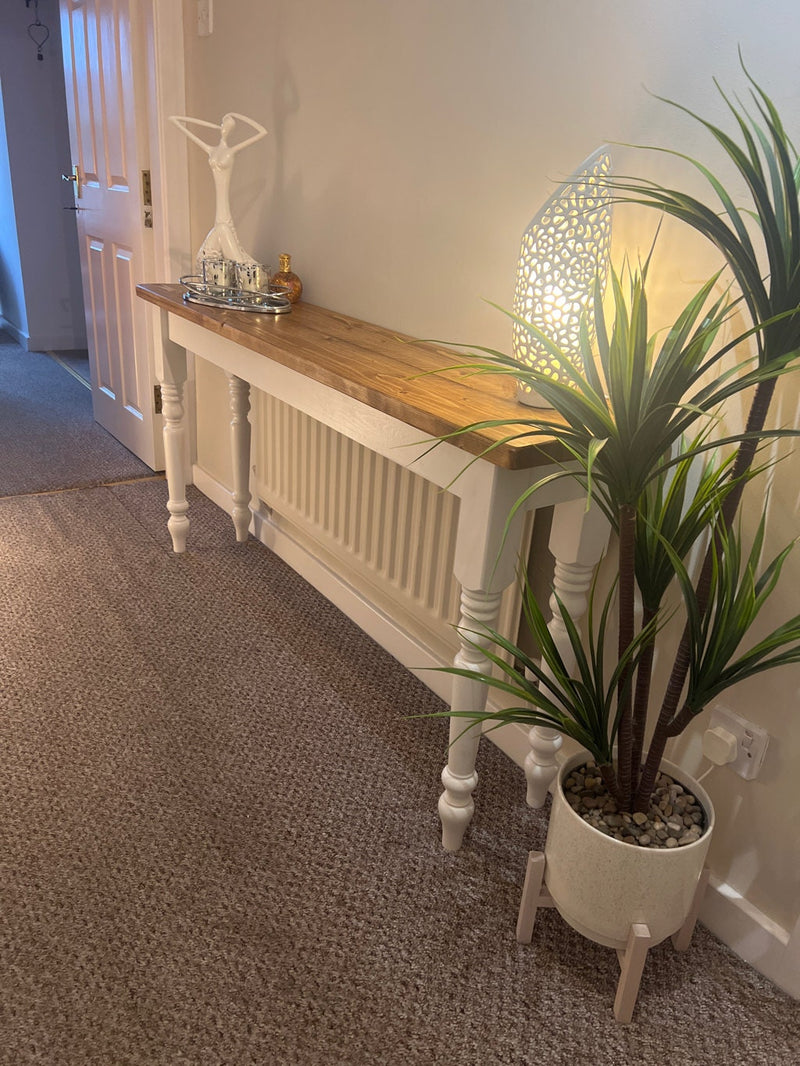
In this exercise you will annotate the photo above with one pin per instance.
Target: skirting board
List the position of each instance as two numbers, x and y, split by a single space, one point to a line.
15 332
748 932
753 936
61 342
375 622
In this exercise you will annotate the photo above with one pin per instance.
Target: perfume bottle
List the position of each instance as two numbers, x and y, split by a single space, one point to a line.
288 282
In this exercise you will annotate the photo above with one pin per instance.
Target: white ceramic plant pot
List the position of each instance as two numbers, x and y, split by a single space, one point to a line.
601 886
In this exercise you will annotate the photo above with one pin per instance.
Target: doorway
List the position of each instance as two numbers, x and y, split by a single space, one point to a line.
41 296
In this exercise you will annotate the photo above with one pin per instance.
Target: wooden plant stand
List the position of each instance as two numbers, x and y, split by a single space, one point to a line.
631 958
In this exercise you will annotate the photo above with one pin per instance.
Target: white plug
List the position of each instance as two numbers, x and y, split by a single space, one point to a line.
719 745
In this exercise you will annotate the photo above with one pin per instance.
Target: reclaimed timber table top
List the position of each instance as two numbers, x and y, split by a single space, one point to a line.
382 369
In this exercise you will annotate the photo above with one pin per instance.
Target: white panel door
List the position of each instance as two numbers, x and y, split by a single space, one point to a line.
105 63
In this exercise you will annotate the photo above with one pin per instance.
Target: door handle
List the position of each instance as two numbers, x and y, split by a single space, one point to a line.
74 177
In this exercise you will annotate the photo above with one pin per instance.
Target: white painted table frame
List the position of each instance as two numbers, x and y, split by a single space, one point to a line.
485 560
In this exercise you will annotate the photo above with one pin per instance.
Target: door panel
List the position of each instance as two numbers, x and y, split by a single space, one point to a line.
95 301
108 115
125 286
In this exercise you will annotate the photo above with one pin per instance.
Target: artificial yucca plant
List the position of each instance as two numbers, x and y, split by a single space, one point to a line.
638 419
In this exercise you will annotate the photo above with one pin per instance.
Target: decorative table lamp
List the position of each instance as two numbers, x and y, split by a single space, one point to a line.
564 251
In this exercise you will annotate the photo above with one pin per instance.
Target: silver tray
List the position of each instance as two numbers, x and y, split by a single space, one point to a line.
265 303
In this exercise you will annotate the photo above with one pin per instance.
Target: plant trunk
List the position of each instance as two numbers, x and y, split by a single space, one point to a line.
668 718
610 781
681 720
627 581
655 755
759 410
644 674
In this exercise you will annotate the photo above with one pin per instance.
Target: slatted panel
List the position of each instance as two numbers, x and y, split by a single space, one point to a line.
388 529
394 527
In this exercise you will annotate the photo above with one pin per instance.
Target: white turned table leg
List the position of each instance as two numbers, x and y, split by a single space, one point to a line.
486 556
239 396
174 450
456 807
541 764
578 540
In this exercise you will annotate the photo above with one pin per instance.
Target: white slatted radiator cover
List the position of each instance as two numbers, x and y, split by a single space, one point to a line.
390 533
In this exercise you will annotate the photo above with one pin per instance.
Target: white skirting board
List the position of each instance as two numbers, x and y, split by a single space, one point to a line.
41 342
368 616
770 949
15 332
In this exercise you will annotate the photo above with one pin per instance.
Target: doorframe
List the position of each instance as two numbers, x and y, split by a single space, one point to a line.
169 165
165 86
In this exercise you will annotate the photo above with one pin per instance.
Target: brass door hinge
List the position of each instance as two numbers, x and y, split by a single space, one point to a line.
147 199
157 402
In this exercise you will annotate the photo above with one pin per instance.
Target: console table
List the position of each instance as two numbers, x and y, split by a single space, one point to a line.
376 388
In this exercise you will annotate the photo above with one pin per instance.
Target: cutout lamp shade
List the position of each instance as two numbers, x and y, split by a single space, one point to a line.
564 251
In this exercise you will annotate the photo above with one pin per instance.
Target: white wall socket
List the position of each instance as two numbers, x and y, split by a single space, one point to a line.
752 742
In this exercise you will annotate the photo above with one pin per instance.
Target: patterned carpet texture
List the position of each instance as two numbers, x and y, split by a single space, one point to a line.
219 843
48 438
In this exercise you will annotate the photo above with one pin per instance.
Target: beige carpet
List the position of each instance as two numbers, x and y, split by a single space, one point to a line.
48 437
219 842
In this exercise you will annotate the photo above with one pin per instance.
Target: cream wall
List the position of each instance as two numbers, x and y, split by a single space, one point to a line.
411 142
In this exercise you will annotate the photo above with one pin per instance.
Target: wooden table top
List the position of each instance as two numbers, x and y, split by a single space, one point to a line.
382 369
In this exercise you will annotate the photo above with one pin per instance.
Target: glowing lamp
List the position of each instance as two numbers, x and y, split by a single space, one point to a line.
564 251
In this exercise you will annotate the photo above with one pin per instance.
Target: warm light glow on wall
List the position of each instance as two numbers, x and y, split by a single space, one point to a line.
564 249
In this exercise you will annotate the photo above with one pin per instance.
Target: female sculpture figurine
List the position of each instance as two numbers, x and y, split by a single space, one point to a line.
221 238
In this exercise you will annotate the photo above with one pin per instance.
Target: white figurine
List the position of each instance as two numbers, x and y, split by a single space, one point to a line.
221 238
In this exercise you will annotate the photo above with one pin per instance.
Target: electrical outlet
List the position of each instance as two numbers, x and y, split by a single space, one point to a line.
752 742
